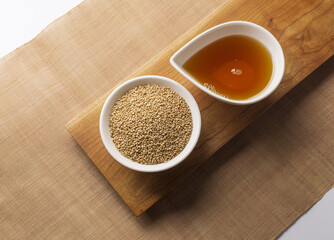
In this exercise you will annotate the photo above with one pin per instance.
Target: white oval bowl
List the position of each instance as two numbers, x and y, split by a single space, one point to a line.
119 92
228 29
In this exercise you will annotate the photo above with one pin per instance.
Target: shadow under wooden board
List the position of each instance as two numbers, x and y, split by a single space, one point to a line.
304 29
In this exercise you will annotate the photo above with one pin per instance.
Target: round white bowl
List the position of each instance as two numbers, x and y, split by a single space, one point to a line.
227 29
119 92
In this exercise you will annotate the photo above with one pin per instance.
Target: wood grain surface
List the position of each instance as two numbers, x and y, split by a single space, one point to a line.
254 187
305 46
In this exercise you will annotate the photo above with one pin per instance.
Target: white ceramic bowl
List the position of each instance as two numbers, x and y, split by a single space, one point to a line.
227 29
119 92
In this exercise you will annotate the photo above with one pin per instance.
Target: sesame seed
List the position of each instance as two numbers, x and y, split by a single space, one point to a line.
150 124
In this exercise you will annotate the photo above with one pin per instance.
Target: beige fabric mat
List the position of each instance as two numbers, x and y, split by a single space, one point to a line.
253 188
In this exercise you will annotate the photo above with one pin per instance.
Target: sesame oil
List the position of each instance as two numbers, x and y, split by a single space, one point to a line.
237 67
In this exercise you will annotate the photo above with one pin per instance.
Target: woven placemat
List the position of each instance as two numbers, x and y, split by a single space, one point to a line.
253 188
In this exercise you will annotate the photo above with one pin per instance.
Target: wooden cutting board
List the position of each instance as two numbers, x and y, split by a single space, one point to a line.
305 32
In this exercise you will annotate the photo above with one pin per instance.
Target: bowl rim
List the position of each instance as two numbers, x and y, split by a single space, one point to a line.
195 113
254 99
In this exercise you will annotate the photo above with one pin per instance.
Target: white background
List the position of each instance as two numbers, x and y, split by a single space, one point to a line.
22 20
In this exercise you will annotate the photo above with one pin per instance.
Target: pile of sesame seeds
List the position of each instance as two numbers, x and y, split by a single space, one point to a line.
150 124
